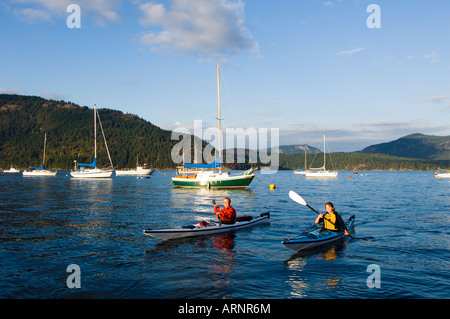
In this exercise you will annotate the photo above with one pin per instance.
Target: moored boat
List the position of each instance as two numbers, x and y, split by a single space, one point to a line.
138 171
86 170
442 174
40 171
322 172
213 179
12 170
317 237
302 171
211 175
207 228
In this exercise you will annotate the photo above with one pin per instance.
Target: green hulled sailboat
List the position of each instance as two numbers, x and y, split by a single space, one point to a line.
211 175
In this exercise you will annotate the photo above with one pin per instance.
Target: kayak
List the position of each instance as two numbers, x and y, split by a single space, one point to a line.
207 228
317 237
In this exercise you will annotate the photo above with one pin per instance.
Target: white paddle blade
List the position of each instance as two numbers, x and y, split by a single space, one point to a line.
297 198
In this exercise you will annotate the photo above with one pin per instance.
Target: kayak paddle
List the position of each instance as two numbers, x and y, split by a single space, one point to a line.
298 199
220 221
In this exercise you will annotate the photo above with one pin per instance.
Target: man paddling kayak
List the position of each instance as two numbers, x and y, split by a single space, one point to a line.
226 215
332 220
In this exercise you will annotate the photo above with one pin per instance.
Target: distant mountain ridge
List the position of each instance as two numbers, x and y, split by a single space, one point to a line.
298 149
415 145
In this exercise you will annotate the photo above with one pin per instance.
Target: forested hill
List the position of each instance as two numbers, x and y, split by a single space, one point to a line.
70 136
70 133
414 146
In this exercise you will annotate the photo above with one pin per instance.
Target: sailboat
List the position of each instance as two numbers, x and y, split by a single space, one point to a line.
321 171
40 171
442 174
139 171
12 170
301 171
91 170
210 175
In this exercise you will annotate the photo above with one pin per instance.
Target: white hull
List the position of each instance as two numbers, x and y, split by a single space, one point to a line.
39 173
12 170
210 228
322 174
302 172
134 172
442 175
91 173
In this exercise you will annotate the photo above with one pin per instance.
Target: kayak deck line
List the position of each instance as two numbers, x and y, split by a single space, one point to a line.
209 228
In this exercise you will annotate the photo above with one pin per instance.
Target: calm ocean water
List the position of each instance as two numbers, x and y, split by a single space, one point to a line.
47 224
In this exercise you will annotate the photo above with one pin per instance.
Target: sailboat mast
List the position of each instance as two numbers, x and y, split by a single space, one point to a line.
305 158
95 131
219 119
43 156
324 154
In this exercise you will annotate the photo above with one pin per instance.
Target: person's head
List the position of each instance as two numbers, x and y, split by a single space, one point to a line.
329 207
227 201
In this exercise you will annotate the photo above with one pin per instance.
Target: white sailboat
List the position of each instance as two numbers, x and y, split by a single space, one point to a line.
90 170
12 170
321 171
40 171
442 174
139 171
302 171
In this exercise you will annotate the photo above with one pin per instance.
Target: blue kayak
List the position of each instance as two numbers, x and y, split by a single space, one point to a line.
317 237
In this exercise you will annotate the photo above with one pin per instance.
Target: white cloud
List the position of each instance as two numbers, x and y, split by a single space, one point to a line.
202 27
350 52
102 11
10 91
328 3
432 56
439 98
32 15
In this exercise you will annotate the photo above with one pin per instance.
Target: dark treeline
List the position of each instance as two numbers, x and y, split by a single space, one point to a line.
359 161
70 136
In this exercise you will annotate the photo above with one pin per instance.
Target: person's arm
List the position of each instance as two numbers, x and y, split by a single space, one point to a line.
341 224
216 208
319 219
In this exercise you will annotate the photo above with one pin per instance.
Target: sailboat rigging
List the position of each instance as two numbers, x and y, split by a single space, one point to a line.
40 171
90 170
211 175
322 171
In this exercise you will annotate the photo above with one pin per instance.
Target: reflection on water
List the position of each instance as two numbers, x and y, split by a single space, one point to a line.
207 262
47 224
298 270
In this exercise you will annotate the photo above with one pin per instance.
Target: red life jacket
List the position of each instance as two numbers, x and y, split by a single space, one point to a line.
228 214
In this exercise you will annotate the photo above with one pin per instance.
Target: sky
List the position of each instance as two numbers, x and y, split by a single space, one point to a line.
308 68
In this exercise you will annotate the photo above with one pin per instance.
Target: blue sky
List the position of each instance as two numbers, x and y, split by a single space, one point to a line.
306 67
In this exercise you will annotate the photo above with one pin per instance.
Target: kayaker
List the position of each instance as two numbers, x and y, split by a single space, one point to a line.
332 220
226 215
